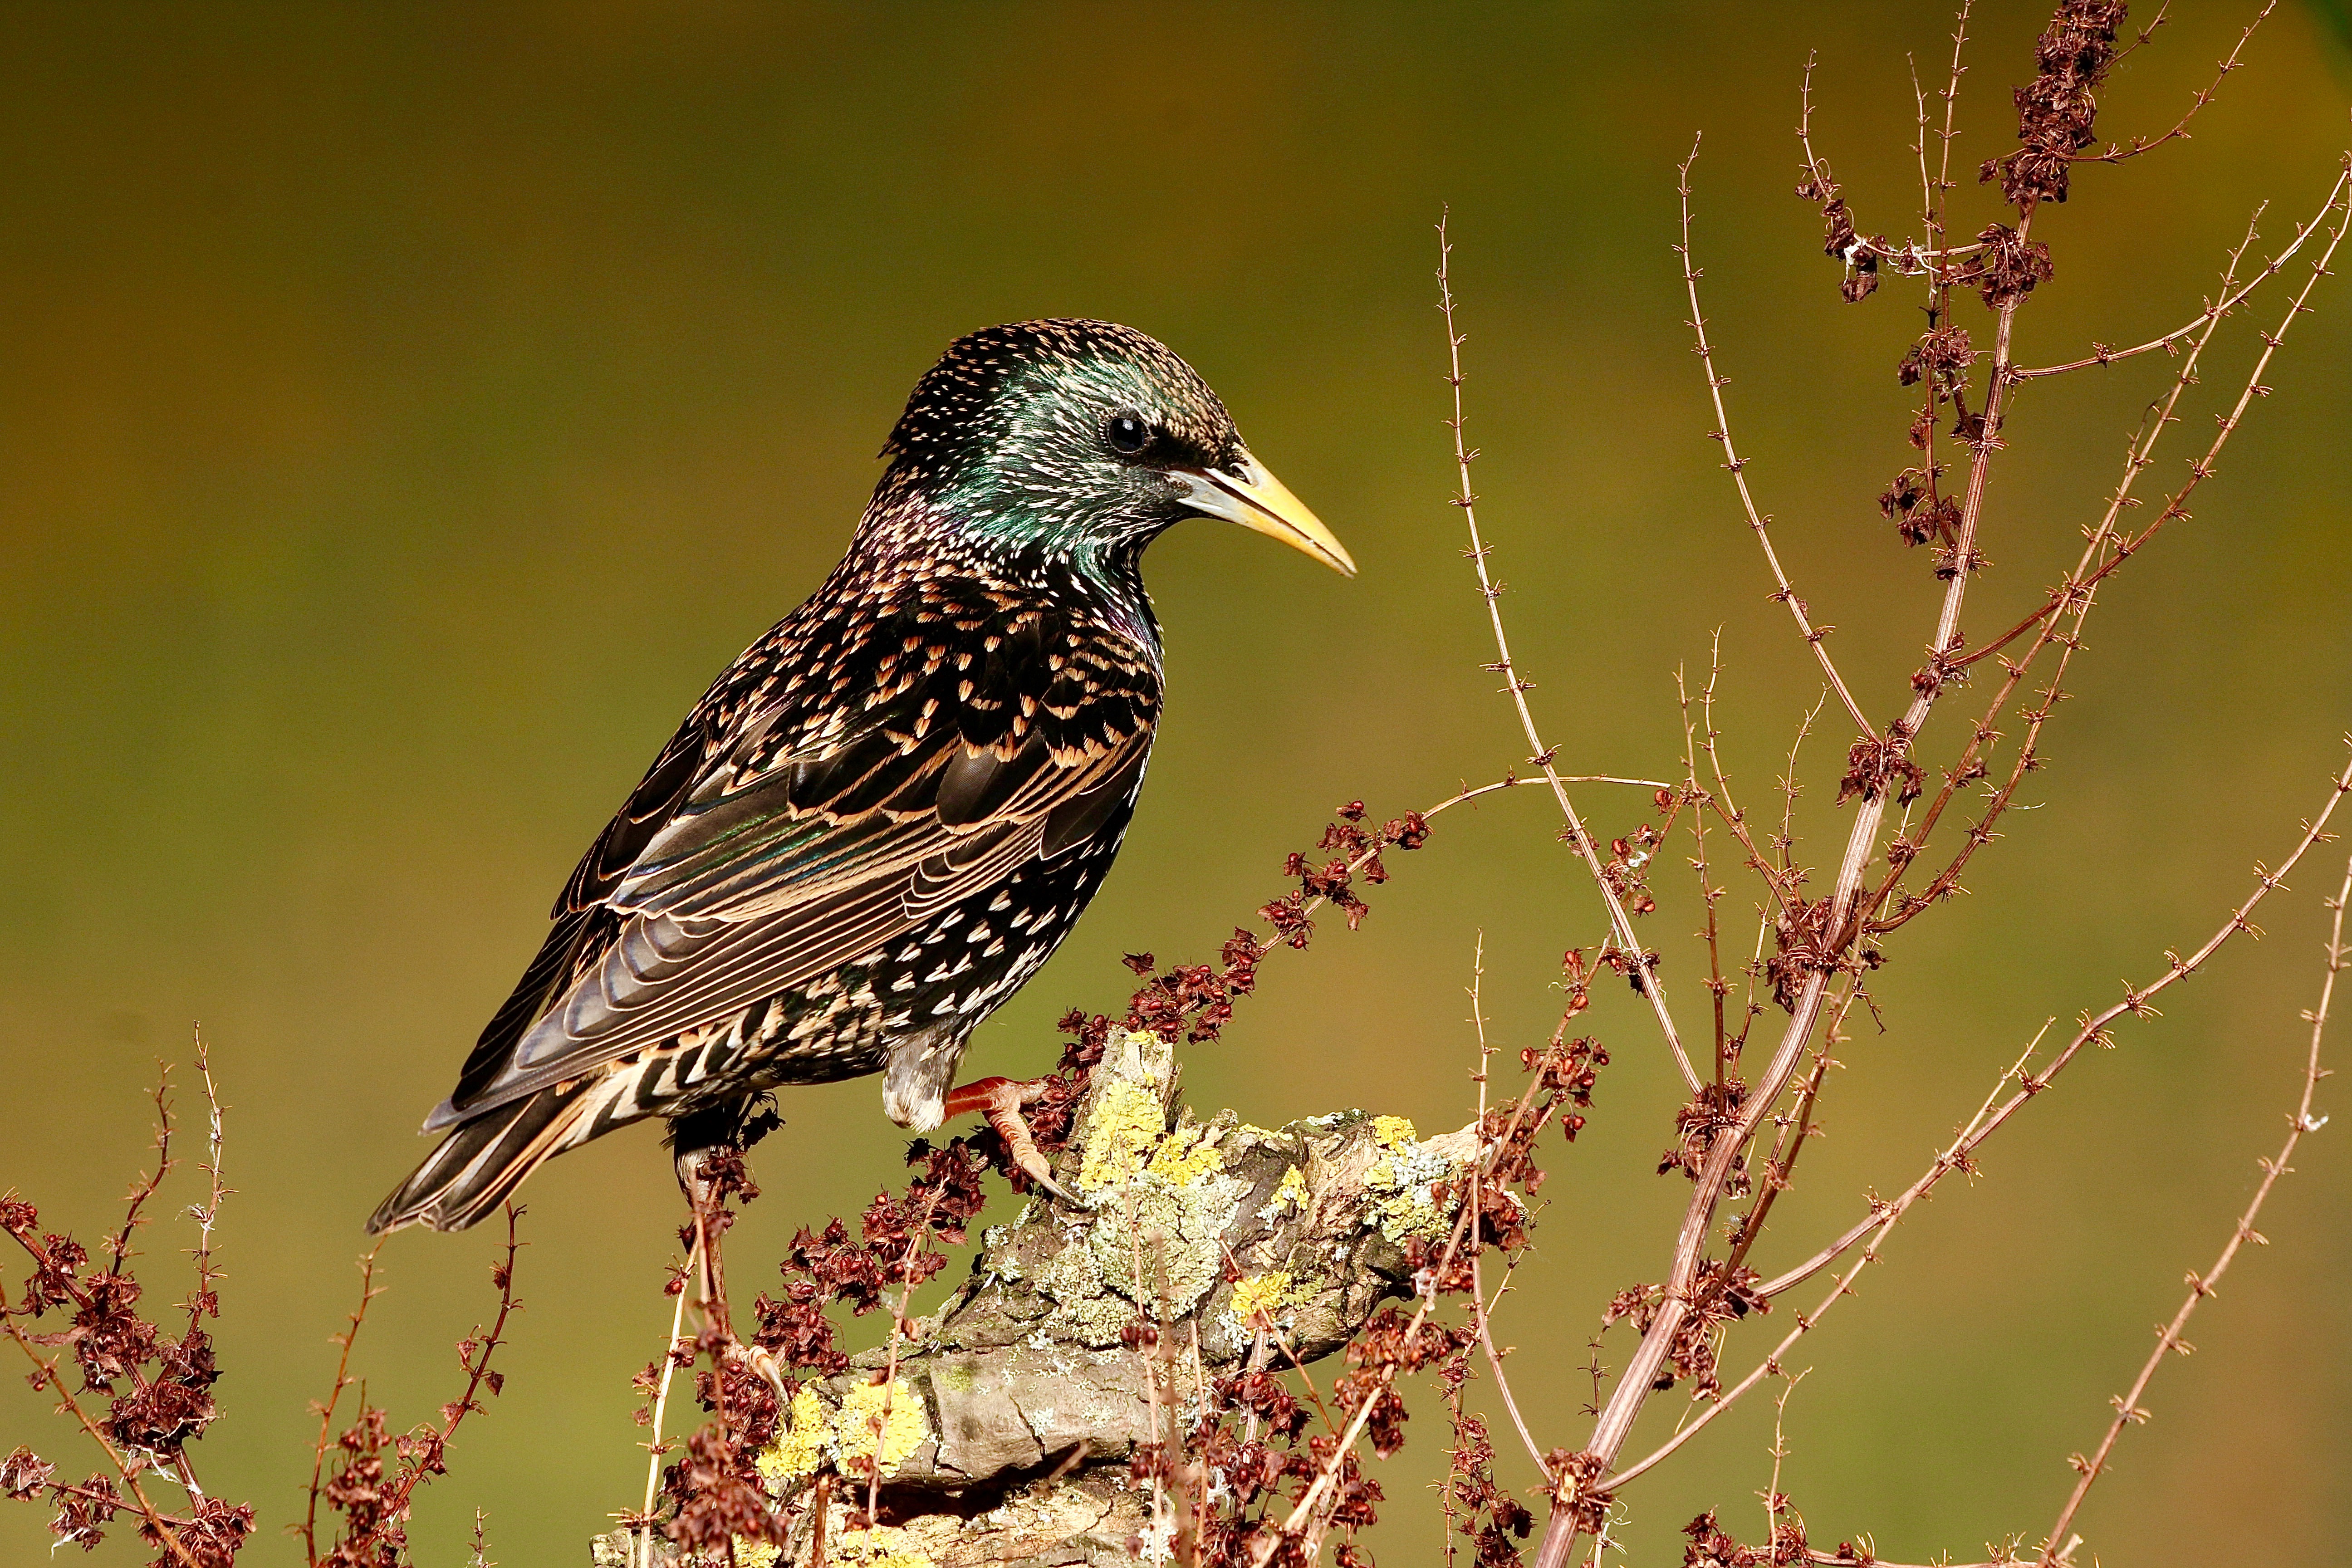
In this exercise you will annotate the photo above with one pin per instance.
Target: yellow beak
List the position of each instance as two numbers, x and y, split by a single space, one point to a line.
1255 498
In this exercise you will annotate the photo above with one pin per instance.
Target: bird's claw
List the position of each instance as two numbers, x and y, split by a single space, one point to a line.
764 1364
999 1100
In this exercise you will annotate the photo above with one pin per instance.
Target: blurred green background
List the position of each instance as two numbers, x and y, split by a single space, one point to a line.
405 409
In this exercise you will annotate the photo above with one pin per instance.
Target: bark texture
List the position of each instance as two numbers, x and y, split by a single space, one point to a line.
1005 1435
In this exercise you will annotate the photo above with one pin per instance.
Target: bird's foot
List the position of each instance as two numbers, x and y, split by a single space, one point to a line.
1000 1100
767 1368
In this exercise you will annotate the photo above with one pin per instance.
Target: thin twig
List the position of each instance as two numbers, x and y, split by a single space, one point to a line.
1540 755
1479 1311
45 1375
1634 1387
369 1291
2138 144
1758 523
2128 1409
1990 1119
206 1301
654 1446
2100 355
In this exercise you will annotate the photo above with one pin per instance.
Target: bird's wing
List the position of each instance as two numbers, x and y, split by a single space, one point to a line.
782 855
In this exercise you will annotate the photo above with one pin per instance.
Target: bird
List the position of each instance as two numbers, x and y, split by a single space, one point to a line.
887 812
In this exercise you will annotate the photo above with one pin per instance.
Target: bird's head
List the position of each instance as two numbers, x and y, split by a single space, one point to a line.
1079 439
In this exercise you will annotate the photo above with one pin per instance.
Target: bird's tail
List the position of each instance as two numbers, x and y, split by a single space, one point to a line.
482 1162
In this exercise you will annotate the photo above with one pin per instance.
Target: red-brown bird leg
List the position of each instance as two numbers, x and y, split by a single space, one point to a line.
1000 1100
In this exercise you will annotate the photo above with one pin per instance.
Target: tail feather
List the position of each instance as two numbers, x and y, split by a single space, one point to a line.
482 1162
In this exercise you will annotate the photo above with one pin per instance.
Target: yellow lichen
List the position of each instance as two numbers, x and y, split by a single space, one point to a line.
896 1408
1183 1159
1289 1196
807 1435
881 1547
815 1434
1127 1124
1263 1294
757 1553
1411 1215
1408 1171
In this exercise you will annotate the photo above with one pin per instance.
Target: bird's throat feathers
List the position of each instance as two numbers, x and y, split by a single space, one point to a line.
980 532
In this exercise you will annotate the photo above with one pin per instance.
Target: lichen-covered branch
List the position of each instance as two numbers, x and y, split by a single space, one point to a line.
1006 1435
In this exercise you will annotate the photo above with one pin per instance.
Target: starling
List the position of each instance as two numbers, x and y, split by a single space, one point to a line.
883 818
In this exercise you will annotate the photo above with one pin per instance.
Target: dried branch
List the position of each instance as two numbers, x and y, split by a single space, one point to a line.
1482 1311
1634 1384
2101 355
2203 469
369 1291
1540 755
2180 131
2128 1409
1758 523
1990 1117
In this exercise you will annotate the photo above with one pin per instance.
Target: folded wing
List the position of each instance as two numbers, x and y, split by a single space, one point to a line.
743 867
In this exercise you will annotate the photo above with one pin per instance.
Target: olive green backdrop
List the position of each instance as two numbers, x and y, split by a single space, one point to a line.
405 409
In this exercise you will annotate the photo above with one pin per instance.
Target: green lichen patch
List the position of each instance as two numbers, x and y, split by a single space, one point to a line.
803 1445
1160 1200
1401 1184
882 1419
1184 1158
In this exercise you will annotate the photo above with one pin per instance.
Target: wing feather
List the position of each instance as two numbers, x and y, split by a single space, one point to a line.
813 810
741 938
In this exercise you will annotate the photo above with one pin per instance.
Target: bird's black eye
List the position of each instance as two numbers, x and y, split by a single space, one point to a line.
1126 433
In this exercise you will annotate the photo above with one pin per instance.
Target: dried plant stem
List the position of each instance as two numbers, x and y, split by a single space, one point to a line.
1728 809
1881 1220
915 1243
1774 1502
1795 1129
1634 1384
1327 1474
1480 1310
134 1462
1540 755
1990 1117
2128 1409
2134 1002
1786 843
2230 300
2138 144
1758 523
654 1446
2076 596
1951 96
2139 455
1717 988
204 1302
369 1291
2125 546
